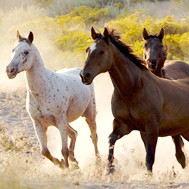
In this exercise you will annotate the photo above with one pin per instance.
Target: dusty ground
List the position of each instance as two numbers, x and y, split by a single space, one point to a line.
22 165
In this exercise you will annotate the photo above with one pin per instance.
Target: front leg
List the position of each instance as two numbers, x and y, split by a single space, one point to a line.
119 130
143 137
151 142
42 138
73 135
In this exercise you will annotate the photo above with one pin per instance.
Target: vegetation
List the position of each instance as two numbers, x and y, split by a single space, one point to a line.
68 23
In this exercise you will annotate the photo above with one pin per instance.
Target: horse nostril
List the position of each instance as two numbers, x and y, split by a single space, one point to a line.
87 75
152 63
12 70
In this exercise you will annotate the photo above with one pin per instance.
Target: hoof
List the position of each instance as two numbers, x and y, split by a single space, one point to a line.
110 170
182 161
74 165
98 159
149 173
62 164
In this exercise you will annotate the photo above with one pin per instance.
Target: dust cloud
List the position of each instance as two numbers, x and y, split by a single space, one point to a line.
129 151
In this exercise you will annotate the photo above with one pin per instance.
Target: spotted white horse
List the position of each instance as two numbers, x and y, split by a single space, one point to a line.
53 99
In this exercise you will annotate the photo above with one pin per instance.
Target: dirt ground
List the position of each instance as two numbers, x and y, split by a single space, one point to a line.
23 166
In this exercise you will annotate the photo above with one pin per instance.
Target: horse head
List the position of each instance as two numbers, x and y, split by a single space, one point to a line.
154 52
22 59
99 57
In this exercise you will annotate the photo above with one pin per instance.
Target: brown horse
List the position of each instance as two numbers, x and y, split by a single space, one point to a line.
155 56
141 100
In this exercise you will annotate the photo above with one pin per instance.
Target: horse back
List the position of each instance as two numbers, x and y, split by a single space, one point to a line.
176 69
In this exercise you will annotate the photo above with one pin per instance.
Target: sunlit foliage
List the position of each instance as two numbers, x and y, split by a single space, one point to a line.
69 30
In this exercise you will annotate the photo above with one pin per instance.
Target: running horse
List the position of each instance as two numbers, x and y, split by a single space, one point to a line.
53 99
141 100
154 54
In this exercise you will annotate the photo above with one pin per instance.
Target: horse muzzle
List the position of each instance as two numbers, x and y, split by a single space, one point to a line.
11 72
86 78
152 63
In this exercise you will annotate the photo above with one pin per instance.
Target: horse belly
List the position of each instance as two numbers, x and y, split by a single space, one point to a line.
174 127
76 110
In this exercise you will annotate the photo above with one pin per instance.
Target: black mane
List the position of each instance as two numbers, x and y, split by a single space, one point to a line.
125 50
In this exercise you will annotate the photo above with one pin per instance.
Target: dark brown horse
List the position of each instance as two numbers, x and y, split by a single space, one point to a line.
154 52
155 56
136 90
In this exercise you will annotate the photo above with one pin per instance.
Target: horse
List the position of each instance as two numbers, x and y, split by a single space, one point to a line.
53 99
154 54
141 100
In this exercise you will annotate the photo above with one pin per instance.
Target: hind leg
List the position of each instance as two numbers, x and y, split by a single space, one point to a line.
73 135
63 128
90 117
179 153
94 137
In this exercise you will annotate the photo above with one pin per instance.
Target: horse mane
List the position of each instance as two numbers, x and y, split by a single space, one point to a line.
124 49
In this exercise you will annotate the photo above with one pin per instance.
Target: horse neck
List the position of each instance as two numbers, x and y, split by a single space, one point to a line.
159 70
124 74
36 76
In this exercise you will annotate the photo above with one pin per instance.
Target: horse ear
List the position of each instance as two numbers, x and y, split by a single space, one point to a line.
161 34
145 34
93 33
30 37
106 34
18 35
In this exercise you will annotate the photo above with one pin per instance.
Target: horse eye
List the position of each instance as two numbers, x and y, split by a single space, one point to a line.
26 52
101 52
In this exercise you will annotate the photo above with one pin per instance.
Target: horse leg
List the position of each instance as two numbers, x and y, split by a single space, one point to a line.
72 134
90 117
42 138
119 130
63 126
151 142
143 136
178 147
94 137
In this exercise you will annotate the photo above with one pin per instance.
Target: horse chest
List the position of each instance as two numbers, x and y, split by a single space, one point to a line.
133 116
